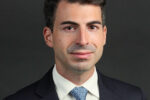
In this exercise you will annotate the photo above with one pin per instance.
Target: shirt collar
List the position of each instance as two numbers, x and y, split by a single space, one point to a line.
92 84
64 86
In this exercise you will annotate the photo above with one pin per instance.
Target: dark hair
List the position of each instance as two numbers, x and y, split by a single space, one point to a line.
50 7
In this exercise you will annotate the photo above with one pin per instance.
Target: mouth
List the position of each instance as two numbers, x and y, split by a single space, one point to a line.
81 55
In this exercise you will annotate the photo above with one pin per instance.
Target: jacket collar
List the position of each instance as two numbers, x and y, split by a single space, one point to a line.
46 87
107 91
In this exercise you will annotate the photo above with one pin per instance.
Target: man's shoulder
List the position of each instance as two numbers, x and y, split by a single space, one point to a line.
24 93
117 84
121 88
35 90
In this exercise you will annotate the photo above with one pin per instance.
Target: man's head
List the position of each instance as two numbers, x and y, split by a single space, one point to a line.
78 36
50 7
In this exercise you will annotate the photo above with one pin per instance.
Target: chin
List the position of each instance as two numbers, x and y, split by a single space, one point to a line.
82 67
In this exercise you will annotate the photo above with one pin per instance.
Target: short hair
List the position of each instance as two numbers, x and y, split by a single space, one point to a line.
50 7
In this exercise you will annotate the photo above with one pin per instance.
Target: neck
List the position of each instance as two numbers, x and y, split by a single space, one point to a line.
76 77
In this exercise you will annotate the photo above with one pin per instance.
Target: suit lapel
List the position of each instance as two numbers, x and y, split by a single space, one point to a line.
46 87
106 91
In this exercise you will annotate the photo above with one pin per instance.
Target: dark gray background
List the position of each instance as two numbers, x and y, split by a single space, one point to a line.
24 57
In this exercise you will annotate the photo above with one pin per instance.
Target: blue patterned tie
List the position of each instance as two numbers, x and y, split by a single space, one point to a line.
79 93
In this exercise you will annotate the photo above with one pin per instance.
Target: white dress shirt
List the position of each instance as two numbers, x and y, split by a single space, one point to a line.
64 86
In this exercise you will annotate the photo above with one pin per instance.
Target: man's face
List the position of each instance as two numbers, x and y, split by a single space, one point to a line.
78 36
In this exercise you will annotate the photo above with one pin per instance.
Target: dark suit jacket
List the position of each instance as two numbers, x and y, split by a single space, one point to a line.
110 89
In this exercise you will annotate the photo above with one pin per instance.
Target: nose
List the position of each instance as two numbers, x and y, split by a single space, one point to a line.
82 37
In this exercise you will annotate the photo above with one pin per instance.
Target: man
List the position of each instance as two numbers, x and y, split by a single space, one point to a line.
76 30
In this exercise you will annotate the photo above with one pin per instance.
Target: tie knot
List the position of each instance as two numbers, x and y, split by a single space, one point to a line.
79 93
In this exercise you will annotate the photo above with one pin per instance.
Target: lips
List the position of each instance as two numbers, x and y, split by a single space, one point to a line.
81 55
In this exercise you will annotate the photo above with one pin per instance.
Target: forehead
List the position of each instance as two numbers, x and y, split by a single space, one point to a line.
77 12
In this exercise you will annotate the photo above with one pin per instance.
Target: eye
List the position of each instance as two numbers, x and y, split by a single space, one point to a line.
69 28
93 27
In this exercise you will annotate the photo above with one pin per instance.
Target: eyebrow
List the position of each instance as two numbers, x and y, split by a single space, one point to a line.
74 23
94 22
69 22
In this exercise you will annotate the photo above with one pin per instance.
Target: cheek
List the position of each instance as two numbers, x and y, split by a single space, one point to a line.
62 43
98 40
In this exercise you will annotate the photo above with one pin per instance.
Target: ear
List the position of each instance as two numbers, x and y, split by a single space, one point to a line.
48 37
105 33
